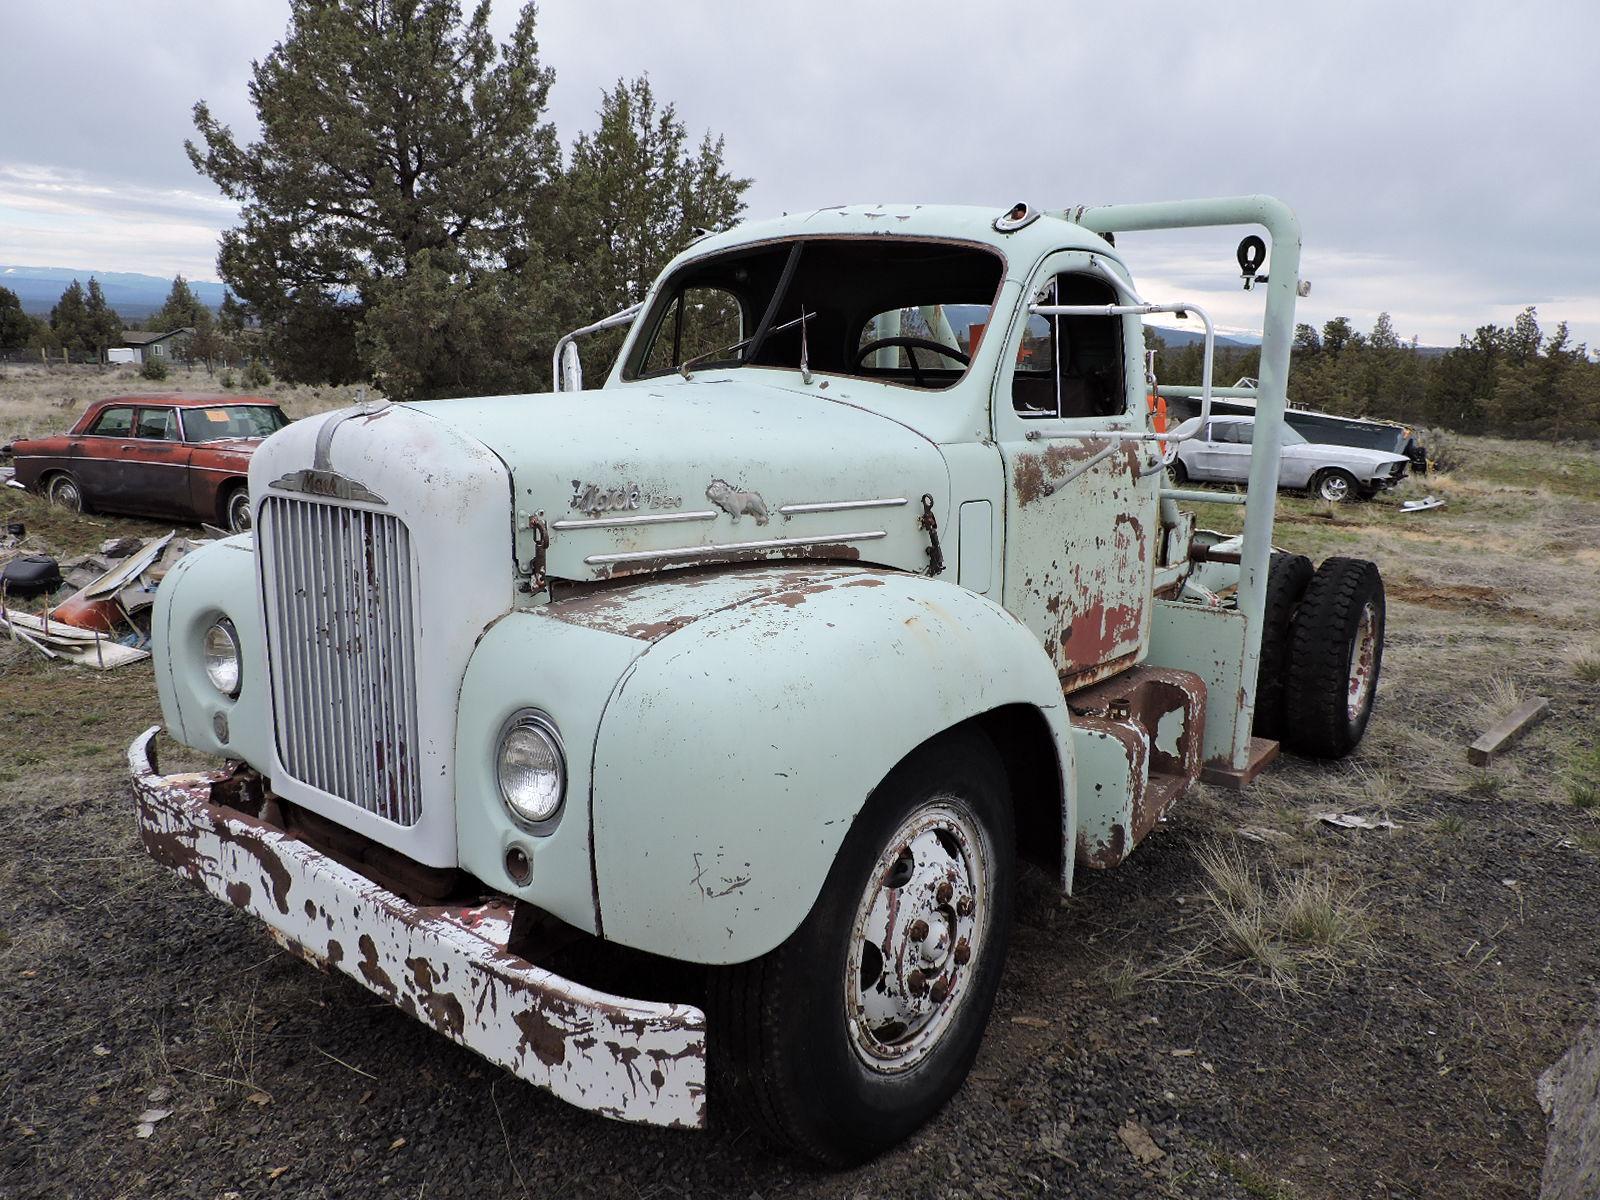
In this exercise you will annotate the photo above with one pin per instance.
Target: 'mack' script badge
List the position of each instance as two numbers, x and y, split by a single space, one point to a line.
592 500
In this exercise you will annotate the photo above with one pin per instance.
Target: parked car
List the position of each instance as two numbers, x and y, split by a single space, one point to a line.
185 457
1329 472
1324 428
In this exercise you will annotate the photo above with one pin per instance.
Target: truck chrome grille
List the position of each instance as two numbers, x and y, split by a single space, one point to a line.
342 651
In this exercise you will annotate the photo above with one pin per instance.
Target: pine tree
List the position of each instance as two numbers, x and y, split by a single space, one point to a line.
69 319
390 130
182 309
102 325
15 327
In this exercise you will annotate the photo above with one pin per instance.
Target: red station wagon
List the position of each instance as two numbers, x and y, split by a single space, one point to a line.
156 456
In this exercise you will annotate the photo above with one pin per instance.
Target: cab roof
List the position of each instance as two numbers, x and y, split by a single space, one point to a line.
970 223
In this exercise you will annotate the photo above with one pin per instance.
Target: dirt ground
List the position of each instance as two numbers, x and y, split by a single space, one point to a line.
1289 1010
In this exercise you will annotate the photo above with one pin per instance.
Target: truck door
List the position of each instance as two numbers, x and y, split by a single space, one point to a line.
1081 509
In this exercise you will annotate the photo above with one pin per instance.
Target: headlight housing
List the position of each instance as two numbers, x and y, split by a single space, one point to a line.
222 658
531 768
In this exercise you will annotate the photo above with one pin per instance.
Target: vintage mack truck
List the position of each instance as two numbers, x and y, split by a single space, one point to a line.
859 584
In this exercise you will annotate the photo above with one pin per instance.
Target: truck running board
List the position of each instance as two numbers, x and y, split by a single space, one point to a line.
1138 739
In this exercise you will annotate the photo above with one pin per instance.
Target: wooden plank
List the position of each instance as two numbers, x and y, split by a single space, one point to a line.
1482 752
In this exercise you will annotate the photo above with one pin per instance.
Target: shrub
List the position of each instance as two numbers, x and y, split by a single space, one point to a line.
226 379
256 375
153 368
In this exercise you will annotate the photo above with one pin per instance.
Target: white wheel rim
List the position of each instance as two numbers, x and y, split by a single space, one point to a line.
918 933
1335 487
65 493
239 513
1363 662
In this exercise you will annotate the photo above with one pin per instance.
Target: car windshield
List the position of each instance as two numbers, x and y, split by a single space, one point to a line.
903 311
212 424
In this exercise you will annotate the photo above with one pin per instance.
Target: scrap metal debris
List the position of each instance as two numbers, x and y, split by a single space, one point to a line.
1355 821
105 622
1423 505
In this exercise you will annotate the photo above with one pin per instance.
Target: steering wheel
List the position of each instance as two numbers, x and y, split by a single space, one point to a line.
912 343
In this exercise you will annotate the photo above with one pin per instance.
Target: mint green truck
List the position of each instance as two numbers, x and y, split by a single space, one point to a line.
752 676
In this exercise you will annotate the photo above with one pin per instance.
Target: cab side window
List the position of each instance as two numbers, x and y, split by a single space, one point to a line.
114 422
1071 366
157 423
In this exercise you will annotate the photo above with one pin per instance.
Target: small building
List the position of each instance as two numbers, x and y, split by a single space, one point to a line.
138 345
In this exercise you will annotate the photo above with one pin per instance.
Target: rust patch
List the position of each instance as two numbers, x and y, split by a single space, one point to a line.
443 1011
541 1035
238 893
372 970
1037 476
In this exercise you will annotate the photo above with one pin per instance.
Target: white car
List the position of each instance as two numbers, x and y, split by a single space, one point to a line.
1221 454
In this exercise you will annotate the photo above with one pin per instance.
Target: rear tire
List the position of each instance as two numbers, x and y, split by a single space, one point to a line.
1335 656
1286 584
848 1037
1179 472
63 491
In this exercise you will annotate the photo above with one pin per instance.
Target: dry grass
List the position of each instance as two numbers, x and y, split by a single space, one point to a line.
1584 663
40 400
1282 928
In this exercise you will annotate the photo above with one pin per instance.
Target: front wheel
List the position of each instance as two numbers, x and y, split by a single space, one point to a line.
1334 486
1179 472
853 1033
236 511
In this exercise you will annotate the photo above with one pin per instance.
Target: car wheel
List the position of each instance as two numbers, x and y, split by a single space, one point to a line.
1334 485
236 511
1335 656
1287 578
63 491
1179 472
848 1037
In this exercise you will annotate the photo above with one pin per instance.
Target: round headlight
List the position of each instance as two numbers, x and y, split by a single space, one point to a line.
222 657
531 768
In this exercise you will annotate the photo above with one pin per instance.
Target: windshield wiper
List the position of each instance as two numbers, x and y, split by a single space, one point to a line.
683 368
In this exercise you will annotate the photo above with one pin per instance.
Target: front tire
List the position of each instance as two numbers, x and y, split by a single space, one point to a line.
236 510
852 1034
1334 485
1336 654
1179 472
63 491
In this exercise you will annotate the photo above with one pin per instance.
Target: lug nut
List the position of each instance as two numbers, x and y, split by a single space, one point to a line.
963 951
945 892
916 984
940 991
964 906
918 930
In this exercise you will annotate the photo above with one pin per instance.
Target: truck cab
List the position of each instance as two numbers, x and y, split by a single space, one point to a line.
857 582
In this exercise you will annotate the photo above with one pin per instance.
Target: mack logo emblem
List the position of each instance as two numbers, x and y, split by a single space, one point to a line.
592 500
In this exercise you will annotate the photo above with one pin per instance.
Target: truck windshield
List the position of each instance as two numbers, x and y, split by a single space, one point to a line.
902 311
213 423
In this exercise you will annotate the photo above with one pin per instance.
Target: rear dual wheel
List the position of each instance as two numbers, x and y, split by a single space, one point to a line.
848 1037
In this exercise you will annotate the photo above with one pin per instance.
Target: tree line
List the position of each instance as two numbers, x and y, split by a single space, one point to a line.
82 322
1514 381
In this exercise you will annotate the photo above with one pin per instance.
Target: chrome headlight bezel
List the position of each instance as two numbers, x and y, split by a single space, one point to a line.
538 724
216 675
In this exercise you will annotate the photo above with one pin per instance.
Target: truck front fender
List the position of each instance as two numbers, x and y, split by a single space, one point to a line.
736 751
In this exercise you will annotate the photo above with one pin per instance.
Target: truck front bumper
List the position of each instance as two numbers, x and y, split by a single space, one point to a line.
448 966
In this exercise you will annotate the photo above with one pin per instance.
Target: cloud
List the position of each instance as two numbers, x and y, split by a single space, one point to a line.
1433 152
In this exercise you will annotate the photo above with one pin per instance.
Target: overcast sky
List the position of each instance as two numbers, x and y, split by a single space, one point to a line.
1442 157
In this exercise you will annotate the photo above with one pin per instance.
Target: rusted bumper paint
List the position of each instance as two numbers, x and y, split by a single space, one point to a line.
446 966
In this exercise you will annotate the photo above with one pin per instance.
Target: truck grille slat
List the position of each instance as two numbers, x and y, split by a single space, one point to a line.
343 666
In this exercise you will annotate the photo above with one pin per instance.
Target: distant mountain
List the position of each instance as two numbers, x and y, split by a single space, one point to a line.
133 296
1188 337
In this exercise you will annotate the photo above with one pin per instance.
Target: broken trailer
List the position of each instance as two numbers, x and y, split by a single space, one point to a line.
858 581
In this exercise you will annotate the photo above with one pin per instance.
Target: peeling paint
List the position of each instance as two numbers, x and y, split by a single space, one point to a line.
448 966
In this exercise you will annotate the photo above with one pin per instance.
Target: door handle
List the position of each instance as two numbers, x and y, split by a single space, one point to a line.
127 446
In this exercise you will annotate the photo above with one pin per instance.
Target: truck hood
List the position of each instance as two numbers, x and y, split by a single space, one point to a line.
646 478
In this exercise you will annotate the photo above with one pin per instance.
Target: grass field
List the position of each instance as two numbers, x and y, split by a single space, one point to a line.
1290 1010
